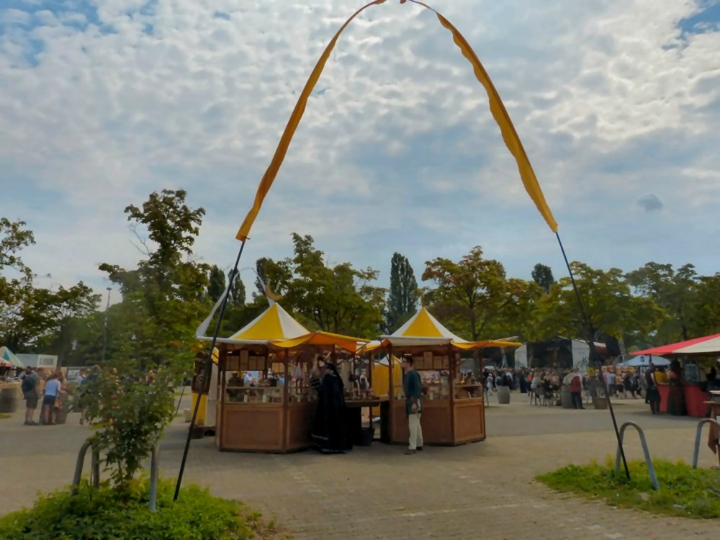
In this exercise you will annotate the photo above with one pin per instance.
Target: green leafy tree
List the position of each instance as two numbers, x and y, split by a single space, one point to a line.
404 295
474 296
128 414
705 318
339 299
543 276
610 306
675 291
216 284
164 296
33 318
237 294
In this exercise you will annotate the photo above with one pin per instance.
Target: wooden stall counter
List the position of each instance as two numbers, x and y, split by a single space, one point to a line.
695 400
265 427
444 422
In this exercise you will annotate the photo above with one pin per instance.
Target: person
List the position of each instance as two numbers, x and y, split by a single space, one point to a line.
30 388
412 387
363 381
329 430
576 389
652 394
676 394
53 389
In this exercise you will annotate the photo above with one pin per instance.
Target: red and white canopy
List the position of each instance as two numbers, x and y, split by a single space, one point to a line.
708 345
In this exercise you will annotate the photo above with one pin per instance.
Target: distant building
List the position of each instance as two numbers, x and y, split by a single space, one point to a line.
39 360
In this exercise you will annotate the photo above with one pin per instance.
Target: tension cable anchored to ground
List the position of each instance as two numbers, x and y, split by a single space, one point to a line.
509 135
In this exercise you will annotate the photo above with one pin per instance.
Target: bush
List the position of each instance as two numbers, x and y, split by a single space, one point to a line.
684 491
109 514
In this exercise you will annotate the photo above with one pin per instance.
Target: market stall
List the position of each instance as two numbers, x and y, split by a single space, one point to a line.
265 401
453 412
694 391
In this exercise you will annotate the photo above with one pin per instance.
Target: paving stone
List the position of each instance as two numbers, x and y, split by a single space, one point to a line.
484 490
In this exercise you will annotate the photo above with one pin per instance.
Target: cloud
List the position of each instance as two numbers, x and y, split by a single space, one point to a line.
650 203
104 102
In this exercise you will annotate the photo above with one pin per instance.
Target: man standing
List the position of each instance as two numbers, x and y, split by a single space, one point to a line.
412 386
30 389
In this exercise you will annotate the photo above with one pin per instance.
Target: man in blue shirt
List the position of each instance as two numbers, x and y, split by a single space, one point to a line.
412 386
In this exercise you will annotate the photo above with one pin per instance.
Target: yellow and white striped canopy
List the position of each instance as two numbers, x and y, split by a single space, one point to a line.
425 330
272 325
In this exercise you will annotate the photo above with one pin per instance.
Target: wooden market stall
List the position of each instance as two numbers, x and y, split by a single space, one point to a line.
453 413
274 413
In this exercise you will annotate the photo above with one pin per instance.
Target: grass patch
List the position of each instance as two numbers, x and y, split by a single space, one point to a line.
4 416
684 491
109 514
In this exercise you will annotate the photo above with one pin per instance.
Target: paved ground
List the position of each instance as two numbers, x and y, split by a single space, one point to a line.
483 490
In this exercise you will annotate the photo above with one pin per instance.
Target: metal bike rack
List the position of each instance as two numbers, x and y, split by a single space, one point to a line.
646 452
95 465
696 453
95 472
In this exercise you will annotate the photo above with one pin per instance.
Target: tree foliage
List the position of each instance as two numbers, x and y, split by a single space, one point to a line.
338 299
610 308
31 317
164 296
475 297
404 295
543 276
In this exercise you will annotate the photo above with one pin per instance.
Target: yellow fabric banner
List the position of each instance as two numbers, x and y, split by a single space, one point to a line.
497 108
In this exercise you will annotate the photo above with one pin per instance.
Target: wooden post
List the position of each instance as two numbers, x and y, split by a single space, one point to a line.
285 406
222 366
451 362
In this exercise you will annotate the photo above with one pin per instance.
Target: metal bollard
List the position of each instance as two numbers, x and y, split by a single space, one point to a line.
646 452
154 474
696 453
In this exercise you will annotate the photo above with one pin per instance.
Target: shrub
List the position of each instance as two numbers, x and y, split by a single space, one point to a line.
109 514
684 491
128 415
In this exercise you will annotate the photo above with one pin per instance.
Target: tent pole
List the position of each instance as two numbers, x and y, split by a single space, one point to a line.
207 370
593 353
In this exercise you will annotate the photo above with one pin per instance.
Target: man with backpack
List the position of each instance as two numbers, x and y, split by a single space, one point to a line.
30 389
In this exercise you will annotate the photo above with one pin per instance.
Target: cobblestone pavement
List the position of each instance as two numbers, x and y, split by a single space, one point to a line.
484 490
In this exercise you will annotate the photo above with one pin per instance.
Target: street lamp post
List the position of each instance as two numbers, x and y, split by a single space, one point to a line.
109 289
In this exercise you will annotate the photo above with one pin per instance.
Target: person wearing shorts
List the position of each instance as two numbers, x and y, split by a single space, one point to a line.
53 388
30 387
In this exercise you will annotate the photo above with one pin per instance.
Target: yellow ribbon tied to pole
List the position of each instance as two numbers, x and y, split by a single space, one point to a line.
497 108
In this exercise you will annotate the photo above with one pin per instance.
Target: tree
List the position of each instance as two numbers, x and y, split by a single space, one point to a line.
337 299
237 294
216 284
164 296
404 296
609 305
543 276
474 294
675 291
705 318
34 318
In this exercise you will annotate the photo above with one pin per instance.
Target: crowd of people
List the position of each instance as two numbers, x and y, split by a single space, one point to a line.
48 388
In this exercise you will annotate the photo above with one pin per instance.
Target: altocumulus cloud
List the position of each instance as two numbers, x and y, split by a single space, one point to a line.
102 102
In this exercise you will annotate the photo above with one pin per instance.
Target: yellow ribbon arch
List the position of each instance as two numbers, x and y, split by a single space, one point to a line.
497 108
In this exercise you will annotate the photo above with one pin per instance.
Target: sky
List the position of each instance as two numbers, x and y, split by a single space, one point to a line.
616 101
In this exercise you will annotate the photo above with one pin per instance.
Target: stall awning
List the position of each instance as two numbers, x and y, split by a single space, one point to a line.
322 339
708 345
424 330
273 324
8 356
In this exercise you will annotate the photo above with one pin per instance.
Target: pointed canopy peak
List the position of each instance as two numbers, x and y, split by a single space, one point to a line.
424 325
273 324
